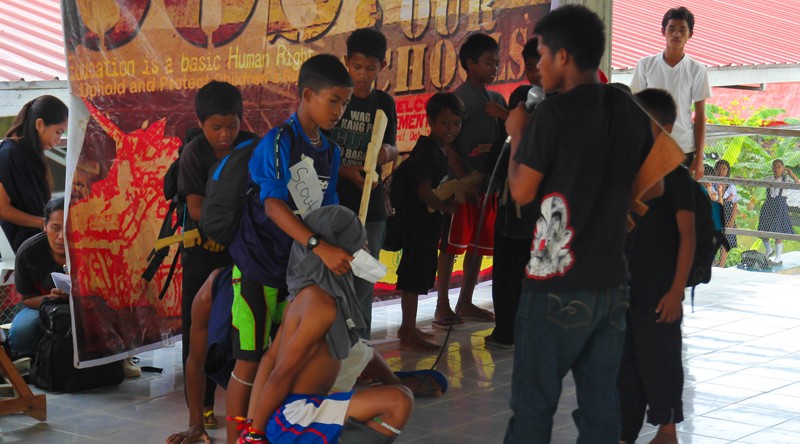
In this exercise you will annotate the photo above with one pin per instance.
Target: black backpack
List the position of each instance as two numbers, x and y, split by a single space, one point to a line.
176 211
399 192
709 238
227 189
53 368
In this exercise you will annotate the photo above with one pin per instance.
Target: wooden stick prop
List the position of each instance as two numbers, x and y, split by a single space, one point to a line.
189 238
457 187
371 162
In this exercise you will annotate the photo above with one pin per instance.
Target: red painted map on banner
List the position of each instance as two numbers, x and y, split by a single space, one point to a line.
134 68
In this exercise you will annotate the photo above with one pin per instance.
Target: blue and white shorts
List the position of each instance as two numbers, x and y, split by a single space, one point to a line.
309 419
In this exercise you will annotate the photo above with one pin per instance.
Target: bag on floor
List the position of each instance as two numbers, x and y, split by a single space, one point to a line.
754 261
53 368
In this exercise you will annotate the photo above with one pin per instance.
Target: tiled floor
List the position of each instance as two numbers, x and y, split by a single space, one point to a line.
742 364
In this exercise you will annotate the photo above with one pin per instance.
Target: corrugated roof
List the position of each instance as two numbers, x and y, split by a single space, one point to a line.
31 40
763 32
726 33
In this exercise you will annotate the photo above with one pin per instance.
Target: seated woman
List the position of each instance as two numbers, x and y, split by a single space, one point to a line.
37 257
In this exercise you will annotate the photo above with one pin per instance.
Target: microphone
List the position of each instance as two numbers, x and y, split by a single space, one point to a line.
535 96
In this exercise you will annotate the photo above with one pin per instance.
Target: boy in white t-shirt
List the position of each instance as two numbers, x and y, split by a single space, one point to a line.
685 79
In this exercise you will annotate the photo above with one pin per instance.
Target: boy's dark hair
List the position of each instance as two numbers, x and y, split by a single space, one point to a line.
368 42
322 71
531 49
53 205
444 101
660 104
680 13
576 29
217 98
474 47
621 86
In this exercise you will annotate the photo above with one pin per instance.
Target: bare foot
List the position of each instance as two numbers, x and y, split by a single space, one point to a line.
414 342
422 386
472 312
425 334
444 312
665 438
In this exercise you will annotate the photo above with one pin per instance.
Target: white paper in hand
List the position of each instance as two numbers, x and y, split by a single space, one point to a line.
367 267
62 281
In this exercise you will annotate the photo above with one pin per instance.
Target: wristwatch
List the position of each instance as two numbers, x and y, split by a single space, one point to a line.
313 242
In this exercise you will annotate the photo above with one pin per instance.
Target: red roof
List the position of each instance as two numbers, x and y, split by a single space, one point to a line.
31 40
726 33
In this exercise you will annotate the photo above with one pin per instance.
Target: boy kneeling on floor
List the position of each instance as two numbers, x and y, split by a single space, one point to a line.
290 400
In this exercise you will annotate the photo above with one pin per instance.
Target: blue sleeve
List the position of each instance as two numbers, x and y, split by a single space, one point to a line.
330 197
270 170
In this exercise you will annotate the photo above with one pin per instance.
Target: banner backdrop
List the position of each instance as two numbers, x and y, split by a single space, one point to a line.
134 68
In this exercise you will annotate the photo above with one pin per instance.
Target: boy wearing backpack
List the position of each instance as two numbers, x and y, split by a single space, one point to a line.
425 168
651 373
218 106
366 57
295 170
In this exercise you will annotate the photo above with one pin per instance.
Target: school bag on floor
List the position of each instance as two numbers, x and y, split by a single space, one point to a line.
53 368
709 237
754 261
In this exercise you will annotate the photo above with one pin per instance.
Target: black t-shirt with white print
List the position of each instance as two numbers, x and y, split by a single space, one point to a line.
588 143
353 134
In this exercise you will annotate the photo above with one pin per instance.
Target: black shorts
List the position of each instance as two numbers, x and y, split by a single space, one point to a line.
256 312
417 270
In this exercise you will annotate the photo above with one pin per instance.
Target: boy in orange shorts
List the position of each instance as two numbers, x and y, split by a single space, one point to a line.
482 128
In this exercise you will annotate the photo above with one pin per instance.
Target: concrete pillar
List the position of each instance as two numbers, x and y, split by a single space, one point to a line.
603 9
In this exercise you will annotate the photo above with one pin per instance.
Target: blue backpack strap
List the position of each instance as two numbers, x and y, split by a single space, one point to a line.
287 126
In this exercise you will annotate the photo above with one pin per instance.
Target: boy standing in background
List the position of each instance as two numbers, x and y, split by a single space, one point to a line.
218 106
685 79
651 374
427 166
481 129
513 229
366 57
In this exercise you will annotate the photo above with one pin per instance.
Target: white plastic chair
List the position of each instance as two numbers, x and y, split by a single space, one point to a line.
7 258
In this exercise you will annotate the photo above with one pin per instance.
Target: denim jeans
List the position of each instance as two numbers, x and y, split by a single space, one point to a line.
376 233
582 331
25 333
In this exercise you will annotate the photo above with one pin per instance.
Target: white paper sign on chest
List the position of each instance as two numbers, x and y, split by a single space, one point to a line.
305 186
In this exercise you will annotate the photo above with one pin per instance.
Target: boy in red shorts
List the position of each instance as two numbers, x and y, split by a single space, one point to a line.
482 128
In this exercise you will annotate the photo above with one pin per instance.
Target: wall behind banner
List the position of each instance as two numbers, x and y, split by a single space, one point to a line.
135 66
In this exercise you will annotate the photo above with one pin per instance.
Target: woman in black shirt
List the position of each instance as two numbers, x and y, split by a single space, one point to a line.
25 180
